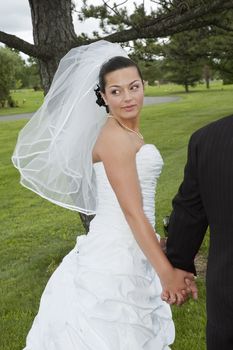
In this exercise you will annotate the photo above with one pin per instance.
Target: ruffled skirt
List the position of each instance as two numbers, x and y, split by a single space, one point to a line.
104 295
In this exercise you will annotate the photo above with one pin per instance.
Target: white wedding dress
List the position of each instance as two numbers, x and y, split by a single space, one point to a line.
105 295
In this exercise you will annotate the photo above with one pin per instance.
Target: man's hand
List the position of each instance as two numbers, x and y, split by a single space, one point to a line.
191 289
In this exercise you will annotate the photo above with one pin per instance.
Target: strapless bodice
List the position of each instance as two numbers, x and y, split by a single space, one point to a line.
149 165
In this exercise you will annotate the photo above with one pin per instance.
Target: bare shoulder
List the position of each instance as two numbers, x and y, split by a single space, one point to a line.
113 144
117 149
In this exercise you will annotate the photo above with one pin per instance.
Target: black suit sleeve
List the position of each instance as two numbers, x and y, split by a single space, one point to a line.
188 221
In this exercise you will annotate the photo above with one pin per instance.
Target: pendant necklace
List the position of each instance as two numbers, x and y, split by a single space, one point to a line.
126 127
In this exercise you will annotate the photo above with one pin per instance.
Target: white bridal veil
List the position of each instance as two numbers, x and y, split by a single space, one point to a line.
54 150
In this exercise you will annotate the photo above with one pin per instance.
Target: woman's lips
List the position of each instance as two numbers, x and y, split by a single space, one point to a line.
129 108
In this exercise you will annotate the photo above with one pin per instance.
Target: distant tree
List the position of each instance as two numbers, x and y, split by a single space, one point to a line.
226 71
31 75
147 53
18 71
206 74
11 65
185 57
221 48
152 71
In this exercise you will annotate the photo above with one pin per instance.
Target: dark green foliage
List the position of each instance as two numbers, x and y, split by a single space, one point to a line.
221 48
146 53
183 63
11 67
30 75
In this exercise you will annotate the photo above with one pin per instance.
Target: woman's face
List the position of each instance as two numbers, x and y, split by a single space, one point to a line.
124 92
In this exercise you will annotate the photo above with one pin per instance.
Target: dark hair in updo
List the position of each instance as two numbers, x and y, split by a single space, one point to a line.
115 63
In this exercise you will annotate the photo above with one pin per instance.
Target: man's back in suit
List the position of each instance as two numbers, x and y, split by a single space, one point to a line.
206 198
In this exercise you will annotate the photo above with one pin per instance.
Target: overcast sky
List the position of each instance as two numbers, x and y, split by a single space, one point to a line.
15 17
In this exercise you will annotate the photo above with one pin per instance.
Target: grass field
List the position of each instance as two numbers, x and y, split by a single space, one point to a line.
28 101
35 235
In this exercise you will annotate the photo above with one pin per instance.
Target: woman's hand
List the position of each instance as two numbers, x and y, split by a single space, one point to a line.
177 285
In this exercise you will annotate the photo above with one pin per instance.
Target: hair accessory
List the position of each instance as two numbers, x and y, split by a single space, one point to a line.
100 100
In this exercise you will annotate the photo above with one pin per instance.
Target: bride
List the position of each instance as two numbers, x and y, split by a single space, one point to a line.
106 293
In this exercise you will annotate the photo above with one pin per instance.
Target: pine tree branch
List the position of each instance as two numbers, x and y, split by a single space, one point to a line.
22 45
215 7
165 25
223 27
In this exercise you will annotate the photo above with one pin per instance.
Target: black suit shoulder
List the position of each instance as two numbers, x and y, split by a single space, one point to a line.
213 129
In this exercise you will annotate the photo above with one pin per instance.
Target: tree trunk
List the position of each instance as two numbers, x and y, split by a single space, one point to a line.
53 28
186 85
207 75
54 31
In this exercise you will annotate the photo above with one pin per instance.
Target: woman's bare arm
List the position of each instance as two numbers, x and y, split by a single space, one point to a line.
118 155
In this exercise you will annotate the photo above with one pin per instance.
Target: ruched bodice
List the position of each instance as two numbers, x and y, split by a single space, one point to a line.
149 164
105 295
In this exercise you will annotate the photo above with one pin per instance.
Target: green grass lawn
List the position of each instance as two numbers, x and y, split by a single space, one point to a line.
28 101
35 235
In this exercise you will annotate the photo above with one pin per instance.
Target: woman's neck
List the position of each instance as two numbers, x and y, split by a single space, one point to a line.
131 123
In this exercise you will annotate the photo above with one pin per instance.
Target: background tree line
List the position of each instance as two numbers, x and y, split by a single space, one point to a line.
185 58
188 57
54 35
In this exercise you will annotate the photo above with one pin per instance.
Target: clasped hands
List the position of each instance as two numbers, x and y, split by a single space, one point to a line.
178 287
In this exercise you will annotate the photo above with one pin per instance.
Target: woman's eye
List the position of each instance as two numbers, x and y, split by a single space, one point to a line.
115 92
135 87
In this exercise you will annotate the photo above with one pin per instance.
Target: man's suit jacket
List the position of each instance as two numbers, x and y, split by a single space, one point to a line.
205 197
